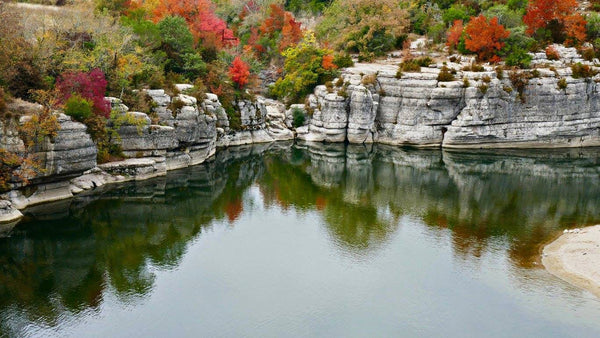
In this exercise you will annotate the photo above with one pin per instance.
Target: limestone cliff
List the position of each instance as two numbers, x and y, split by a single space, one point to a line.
475 110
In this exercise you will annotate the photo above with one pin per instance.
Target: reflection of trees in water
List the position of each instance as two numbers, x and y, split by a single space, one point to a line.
516 196
324 180
114 238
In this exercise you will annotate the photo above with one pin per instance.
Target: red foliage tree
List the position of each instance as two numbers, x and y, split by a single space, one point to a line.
201 19
559 15
91 86
239 72
282 21
454 33
484 37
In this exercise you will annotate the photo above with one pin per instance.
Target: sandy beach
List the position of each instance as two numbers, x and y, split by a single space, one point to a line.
575 258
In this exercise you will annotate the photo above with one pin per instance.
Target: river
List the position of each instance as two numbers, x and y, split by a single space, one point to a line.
310 240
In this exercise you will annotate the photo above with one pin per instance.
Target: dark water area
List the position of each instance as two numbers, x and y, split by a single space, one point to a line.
310 240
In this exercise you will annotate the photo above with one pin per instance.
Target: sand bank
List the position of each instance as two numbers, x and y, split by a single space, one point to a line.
575 258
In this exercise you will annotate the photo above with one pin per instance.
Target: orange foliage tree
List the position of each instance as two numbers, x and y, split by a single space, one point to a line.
279 20
200 17
558 16
239 72
484 37
327 62
454 33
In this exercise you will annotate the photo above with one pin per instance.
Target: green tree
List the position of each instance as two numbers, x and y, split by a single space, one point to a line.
306 65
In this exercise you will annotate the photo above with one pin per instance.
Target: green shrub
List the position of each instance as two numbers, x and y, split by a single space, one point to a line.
445 75
466 83
409 66
582 71
519 81
587 53
414 65
138 101
437 32
486 79
518 58
517 5
593 25
500 73
176 106
506 17
78 108
483 88
474 67
343 60
457 12
562 84
516 47
298 117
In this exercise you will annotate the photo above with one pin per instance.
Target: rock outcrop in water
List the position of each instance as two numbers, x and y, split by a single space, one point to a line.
68 155
548 107
152 146
371 103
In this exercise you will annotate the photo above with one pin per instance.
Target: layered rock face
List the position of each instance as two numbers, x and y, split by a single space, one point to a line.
69 154
262 121
186 136
476 110
191 133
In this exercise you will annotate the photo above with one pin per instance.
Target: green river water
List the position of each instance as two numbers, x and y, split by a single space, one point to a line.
287 240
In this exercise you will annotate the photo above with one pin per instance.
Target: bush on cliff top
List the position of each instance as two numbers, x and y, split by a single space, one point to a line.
78 108
306 65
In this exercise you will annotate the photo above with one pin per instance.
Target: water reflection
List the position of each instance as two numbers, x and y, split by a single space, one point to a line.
67 256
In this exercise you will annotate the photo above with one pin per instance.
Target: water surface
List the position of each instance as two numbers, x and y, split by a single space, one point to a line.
311 240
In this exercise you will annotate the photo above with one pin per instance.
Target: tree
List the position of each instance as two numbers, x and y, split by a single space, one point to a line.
178 45
278 31
485 37
200 17
239 72
368 27
90 86
291 32
454 34
556 18
306 65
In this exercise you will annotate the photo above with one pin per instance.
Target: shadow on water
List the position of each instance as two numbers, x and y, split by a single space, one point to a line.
68 255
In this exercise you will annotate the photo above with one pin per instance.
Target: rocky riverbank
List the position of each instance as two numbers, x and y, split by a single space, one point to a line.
548 106
574 257
370 103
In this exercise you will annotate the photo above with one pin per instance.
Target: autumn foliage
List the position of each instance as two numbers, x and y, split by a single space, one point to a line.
454 33
239 72
558 16
90 86
327 62
200 17
485 37
279 22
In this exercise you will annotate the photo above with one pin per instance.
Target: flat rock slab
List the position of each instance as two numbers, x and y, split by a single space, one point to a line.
575 258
